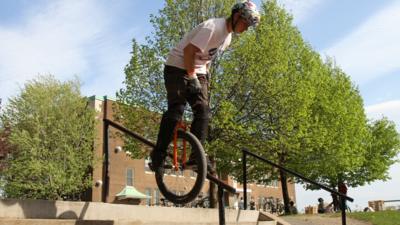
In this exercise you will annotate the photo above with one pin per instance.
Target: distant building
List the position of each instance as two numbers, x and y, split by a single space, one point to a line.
130 178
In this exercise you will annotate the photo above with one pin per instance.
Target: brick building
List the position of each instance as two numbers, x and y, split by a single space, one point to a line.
127 174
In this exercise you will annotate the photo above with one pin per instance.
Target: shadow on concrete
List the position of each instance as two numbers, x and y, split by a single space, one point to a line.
45 209
94 222
68 215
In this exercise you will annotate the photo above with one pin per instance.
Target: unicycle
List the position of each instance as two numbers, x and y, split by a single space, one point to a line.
178 182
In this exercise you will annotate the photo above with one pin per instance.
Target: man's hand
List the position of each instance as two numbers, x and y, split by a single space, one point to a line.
193 85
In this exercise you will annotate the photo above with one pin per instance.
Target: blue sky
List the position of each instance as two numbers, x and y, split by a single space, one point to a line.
91 39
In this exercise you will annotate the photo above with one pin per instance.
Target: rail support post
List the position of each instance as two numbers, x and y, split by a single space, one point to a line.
244 180
221 205
343 207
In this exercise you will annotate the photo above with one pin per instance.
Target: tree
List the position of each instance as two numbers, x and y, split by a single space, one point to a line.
5 147
52 130
381 152
339 133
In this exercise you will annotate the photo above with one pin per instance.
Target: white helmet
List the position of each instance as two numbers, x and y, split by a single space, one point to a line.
248 11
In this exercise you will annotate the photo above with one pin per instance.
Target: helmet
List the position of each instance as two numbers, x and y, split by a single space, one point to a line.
248 11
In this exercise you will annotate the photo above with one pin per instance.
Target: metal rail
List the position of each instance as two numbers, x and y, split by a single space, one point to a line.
342 196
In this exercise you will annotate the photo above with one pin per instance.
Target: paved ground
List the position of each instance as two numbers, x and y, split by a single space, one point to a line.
320 220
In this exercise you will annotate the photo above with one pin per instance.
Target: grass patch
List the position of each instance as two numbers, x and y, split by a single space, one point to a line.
378 218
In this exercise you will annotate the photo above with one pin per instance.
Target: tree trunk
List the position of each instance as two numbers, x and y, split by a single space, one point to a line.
213 189
335 201
224 177
285 192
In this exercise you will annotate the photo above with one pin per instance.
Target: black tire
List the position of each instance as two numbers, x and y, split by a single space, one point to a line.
182 186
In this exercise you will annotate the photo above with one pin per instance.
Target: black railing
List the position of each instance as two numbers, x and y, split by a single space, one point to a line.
342 196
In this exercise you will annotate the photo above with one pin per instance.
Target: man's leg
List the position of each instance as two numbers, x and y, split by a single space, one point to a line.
201 111
201 118
175 85
165 135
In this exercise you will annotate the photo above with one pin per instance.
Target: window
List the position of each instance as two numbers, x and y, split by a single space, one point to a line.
146 164
148 194
129 177
260 202
274 183
156 197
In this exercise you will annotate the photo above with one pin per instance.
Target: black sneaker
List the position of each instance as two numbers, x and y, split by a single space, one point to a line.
156 159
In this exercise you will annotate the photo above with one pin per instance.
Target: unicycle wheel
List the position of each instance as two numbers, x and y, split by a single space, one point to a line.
181 184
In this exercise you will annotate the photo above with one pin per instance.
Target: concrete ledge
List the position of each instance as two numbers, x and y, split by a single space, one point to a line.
99 222
42 209
53 222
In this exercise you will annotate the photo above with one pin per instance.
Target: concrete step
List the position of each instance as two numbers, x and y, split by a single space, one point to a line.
266 223
95 213
54 222
108 222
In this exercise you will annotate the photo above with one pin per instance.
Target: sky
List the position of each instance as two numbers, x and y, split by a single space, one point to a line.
91 40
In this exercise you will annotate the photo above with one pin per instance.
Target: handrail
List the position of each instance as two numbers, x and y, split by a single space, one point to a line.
299 175
132 134
246 152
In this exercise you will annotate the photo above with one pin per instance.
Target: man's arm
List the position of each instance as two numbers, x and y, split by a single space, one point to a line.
188 54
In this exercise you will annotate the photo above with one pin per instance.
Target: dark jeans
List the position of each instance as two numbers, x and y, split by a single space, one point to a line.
176 85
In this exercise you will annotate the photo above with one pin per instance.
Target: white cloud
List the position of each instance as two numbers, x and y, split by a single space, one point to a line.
50 42
373 49
66 38
390 109
300 9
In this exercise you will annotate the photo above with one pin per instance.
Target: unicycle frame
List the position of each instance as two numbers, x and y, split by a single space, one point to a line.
180 125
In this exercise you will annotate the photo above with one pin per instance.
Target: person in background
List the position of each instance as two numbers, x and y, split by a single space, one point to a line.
292 208
321 205
241 203
252 204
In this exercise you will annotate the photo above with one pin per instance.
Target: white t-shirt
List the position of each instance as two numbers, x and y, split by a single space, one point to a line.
210 37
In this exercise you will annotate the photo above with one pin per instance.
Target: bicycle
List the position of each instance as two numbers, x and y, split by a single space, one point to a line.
201 203
174 174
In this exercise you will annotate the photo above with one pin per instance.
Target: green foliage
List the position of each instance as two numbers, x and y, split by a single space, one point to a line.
338 135
52 130
381 152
